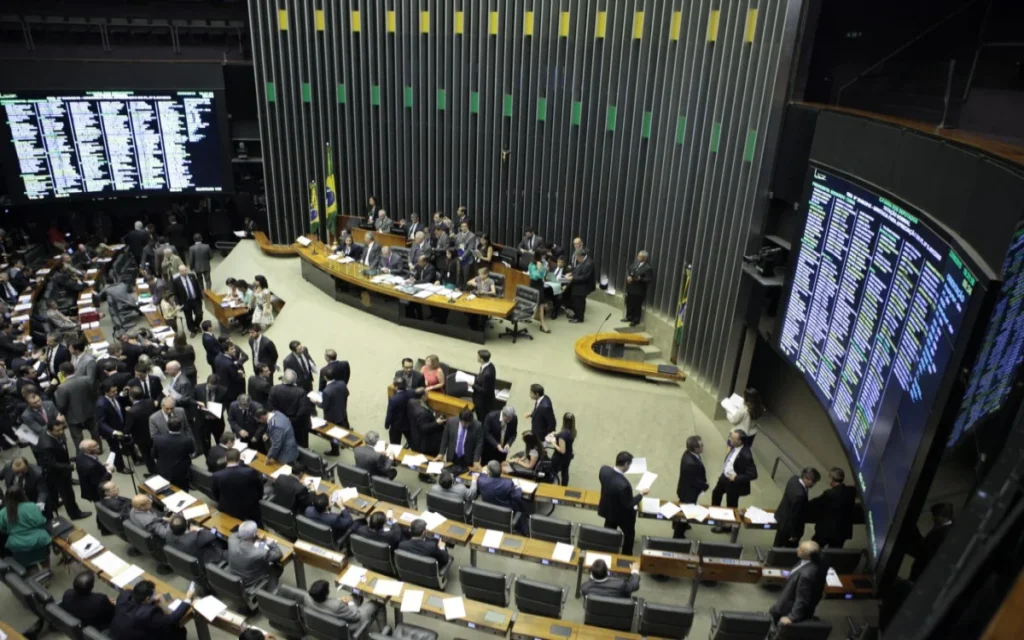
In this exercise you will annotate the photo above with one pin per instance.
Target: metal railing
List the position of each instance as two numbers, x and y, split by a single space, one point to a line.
784 458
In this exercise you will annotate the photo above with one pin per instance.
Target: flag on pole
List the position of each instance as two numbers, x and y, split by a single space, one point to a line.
330 199
314 213
684 295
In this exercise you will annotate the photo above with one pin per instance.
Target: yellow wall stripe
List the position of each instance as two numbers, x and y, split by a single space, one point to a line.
319 19
357 22
563 24
602 24
528 23
676 25
391 22
493 23
751 30
460 23
282 19
424 22
713 25
638 25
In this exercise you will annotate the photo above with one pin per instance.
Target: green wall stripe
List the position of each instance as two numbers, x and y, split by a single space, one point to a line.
342 94
307 92
442 99
681 130
474 102
407 97
613 115
375 95
271 92
542 109
577 113
716 136
506 107
748 150
645 128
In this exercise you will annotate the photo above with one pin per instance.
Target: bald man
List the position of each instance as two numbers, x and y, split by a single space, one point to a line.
144 516
804 587
92 473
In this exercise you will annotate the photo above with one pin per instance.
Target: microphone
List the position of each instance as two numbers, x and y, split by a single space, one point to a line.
607 318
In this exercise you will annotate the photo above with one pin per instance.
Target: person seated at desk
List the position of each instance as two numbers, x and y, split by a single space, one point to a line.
422 543
413 379
93 609
601 584
114 501
433 374
24 528
374 528
423 272
141 614
371 253
382 223
349 248
144 516
450 270
504 493
319 599
561 271
58 321
381 465
289 492
199 543
390 263
319 511
449 487
526 461
254 559
804 587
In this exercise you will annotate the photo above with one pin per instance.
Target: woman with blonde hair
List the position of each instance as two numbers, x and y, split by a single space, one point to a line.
433 374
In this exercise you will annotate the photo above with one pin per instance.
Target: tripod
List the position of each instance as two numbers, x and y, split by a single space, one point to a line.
128 457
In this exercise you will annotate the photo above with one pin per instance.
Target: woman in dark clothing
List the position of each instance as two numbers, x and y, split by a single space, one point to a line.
562 441
451 269
526 461
185 355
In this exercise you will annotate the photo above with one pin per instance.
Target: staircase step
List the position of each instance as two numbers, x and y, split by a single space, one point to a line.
649 351
628 329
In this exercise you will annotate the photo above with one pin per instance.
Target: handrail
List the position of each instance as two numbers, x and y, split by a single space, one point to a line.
791 462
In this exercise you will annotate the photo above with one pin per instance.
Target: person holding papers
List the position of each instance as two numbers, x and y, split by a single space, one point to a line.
210 397
743 415
142 614
791 513
738 471
618 504
804 587
381 528
422 543
93 609
243 422
693 480
144 516
601 583
319 599
173 454
24 527
319 511
289 492
238 488
500 429
381 465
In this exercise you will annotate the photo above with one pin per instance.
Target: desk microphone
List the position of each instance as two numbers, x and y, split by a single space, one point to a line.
607 318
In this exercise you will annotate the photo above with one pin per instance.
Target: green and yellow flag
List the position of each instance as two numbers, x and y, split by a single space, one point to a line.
329 194
684 296
314 213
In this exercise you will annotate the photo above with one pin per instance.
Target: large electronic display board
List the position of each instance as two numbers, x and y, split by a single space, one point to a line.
876 302
108 143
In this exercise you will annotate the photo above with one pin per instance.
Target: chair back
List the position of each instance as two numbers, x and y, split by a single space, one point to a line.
92 633
539 598
591 538
351 476
665 620
844 561
420 570
316 532
185 565
13 566
227 586
278 519
323 626
202 480
741 625
373 554
451 508
550 529
499 284
391 491
674 545
282 613
485 586
110 520
314 463
492 516
781 557
813 629
145 542
527 301
63 621
610 613
30 594
720 550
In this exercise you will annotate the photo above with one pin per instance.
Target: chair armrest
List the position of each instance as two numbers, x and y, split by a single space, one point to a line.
714 618
761 554
509 581
342 542
448 565
515 517
329 469
851 627
414 498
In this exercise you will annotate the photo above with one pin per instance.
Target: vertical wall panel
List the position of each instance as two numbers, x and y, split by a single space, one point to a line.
631 123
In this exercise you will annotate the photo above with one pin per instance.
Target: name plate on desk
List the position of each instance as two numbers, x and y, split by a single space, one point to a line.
729 570
327 554
669 563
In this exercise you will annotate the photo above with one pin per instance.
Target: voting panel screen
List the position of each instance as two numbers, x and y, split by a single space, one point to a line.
876 302
108 143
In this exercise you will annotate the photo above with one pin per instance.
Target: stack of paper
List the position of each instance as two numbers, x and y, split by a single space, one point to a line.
210 607
318 423
110 564
194 513
454 609
380 447
502 394
341 496
832 579
26 435
527 486
215 409
733 403
388 588
395 450
147 308
638 467
179 502
669 510
337 433
408 517
353 576
239 446
304 241
249 455
759 516
695 512
433 520
412 601
563 552
86 547
285 470
414 461
311 482
435 467
646 481
650 505
718 513
315 397
462 376
157 483
127 576
423 295
492 539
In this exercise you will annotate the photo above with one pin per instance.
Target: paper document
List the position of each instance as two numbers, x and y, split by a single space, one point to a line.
381 446
179 502
454 609
209 607
346 260
127 576
435 467
414 461
193 513
285 470
462 376
759 516
695 512
492 539
348 493
591 558
408 517
650 505
98 346
718 513
423 295
318 423
501 394
239 446
337 433
527 486
395 450
157 483
832 579
353 576
388 588
433 520
110 564
733 403
26 435
19 319
215 409
111 459
315 396
249 455
304 241
23 307
412 601
669 510
638 467
311 482
87 547
646 481
239 234
563 552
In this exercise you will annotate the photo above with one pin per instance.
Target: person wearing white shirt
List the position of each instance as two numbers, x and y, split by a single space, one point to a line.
738 471
483 386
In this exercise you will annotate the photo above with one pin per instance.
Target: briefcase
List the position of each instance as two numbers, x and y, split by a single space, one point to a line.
59 527
89 316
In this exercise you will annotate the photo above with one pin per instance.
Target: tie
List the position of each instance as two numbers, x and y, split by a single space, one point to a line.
145 386
461 444
188 286
117 407
42 412
366 258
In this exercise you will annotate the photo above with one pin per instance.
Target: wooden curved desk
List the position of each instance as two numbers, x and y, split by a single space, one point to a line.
586 354
273 249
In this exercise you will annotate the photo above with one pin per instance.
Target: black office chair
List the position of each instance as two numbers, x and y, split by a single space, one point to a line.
527 301
202 480
451 508
228 587
324 626
777 557
147 544
844 561
492 516
422 570
279 520
63 621
320 534
92 633
282 613
719 550
404 631
486 586
664 620
591 538
610 613
109 521
350 476
33 597
812 629
499 284
315 464
551 529
674 545
373 554
10 565
539 598
186 566
739 625
394 492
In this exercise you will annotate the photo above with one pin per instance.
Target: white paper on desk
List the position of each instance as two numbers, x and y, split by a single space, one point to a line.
249 455
147 308
111 459
23 307
412 601
239 446
528 487
157 483
423 295
501 394
239 234
311 482
304 241
669 510
433 520
25 298
346 260
408 516
26 435
380 447
462 376
353 576
348 493
638 467
563 552
337 433
695 512
492 539
159 330
174 605
414 461
196 512
435 467
318 423
646 481
215 409
285 470
110 564
718 513
650 505
759 516
832 579
87 547
388 588
209 607
19 319
127 575
316 397
454 608
591 558
179 502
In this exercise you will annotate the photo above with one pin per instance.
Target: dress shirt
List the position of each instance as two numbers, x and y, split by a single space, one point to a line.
366 255
730 460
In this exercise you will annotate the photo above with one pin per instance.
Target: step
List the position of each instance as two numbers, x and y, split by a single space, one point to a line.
648 351
628 329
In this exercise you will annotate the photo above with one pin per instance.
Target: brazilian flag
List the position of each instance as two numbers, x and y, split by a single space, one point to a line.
314 213
329 194
684 296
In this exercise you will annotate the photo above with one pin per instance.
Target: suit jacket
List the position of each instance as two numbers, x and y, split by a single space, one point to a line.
216 458
230 376
924 549
394 264
238 491
425 274
199 257
137 422
173 455
110 417
397 416
267 352
76 399
746 471
120 505
801 594
534 243
424 432
353 251
412 228
35 421
290 493
32 482
473 445
382 225
617 497
54 357
412 381
483 388
337 370
335 403
303 378
91 476
86 365
259 389
283 447
180 291
158 422
583 280
186 391
251 562
156 388
833 514
417 250
391 537
426 547
542 422
52 455
176 236
500 491
642 275
493 438
792 510
371 255
290 400
693 479
612 586
212 347
201 544
94 610
241 420
136 240
376 464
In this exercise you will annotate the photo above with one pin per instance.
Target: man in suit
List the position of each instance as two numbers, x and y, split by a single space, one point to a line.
319 511
93 609
373 462
52 455
502 492
396 420
151 386
137 239
425 429
924 548
280 437
581 284
159 419
238 489
603 584
199 260
114 501
173 453
76 399
422 543
413 378
254 560
693 480
146 517
738 471
92 473
462 444
371 254
28 477
206 424
300 362
413 227
420 247
140 612
390 263
335 402
243 422
136 424
201 544
500 428
17 275
10 345
291 401
804 587
448 487
260 384
263 349
56 354
440 240
638 278
530 243
380 527
542 418
229 373
334 369
211 344
39 414
189 295
110 418
791 514
176 235
483 385
618 503
382 223
8 292
423 272
217 457
833 512
289 492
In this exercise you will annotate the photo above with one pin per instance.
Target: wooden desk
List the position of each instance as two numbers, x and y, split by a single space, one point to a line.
361 504
531 627
523 548
479 615
586 632
441 403
729 570
350 440
668 563
383 239
10 631
567 496
620 564
747 524
854 586
224 315
455 533
708 521
173 490
586 354
326 559
263 242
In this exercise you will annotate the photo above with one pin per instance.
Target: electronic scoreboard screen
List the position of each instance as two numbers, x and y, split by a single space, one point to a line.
876 302
108 143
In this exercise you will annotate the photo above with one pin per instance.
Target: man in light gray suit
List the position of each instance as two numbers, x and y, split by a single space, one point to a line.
254 560
420 246
158 421
199 261
372 461
447 486
84 361
383 223
465 239
371 252
40 414
76 399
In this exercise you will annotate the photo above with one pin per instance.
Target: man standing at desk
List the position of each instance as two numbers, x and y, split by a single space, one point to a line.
282 447
737 473
290 400
334 369
462 443
483 385
791 513
693 480
581 284
804 587
618 504
833 512
542 418
263 350
238 489
637 280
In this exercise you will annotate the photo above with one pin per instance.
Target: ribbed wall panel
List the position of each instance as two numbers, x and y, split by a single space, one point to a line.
671 150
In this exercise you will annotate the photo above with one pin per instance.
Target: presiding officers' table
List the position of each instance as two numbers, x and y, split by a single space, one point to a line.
346 283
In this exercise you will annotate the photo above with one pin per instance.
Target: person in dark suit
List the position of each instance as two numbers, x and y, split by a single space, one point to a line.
924 548
638 279
581 284
833 512
373 462
291 400
111 420
422 543
151 386
263 349
335 403
371 253
136 424
173 454
243 422
260 384
618 503
425 430
413 378
207 424
55 354
693 480
396 420
201 543
542 418
500 428
376 528
92 473
217 456
390 263
176 235
300 362
334 369
238 489
483 386
804 587
496 490
189 294
319 511
601 583
137 239
19 473
738 471
349 248
93 609
289 492
141 614
114 501
229 374
462 443
211 344
52 455
791 514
